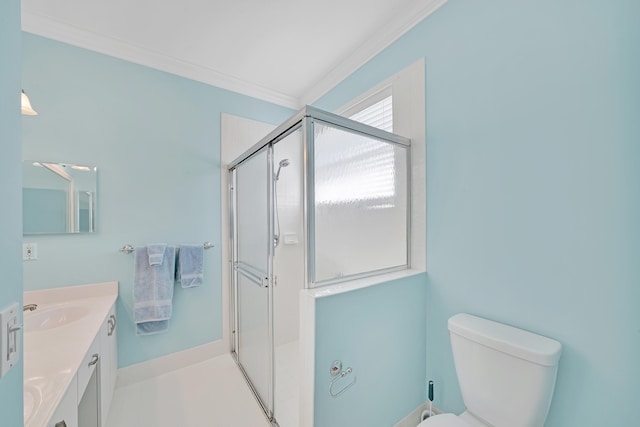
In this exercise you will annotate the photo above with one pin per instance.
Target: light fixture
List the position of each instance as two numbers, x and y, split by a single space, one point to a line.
26 106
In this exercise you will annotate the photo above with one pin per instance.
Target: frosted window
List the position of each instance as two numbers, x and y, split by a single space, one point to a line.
360 203
354 168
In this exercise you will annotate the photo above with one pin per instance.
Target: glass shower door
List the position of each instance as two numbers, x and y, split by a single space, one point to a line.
253 265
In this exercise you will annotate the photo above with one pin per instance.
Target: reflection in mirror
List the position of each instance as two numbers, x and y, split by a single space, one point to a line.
58 198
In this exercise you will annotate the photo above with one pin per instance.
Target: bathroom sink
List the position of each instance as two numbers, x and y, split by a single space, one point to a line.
32 400
53 317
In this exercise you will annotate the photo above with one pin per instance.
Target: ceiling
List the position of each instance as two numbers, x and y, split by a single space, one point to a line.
289 52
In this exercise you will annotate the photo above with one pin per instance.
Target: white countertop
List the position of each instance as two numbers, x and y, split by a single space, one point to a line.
52 356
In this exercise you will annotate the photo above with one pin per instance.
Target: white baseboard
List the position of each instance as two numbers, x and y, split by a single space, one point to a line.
413 419
171 362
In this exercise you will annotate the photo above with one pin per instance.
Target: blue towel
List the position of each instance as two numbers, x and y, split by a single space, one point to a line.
190 260
153 291
156 253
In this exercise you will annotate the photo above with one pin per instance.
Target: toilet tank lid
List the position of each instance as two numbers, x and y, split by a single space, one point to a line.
507 339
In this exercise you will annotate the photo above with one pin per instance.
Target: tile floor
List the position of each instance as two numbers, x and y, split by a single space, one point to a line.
212 393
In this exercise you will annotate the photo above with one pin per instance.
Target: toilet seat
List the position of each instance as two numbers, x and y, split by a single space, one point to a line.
444 420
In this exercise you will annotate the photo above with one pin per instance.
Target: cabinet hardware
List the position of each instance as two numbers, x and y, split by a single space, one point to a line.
112 323
94 359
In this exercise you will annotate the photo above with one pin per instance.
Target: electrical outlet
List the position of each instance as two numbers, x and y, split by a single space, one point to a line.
29 251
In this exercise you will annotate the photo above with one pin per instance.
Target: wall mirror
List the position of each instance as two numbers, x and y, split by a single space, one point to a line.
58 198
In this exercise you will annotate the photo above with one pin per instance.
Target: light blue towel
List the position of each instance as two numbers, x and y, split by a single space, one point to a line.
153 291
156 253
190 260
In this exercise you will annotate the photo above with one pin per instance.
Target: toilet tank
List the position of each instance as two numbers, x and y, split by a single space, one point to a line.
506 375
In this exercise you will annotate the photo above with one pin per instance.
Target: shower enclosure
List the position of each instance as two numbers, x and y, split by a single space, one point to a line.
320 200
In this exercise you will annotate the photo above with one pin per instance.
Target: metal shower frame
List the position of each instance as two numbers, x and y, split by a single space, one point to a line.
303 120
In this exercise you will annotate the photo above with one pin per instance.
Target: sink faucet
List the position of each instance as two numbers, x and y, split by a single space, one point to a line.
30 307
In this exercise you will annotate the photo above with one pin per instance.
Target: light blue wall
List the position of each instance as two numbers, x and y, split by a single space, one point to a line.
10 194
379 332
155 138
533 186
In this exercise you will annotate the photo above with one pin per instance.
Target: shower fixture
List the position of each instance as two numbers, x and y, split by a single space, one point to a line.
283 164
276 237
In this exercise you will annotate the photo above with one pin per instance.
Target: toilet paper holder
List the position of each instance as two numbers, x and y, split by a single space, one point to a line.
337 373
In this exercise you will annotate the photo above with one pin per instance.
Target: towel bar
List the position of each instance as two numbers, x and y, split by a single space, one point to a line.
127 249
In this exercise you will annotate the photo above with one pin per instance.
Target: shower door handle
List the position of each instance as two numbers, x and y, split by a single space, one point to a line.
258 279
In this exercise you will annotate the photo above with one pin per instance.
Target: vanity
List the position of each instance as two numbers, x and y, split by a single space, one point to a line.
70 355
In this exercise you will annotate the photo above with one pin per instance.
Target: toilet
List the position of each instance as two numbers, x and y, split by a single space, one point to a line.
506 375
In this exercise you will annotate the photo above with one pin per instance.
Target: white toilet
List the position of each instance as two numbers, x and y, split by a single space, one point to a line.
506 375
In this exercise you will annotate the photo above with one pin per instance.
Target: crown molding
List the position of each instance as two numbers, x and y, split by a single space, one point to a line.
388 34
403 22
56 30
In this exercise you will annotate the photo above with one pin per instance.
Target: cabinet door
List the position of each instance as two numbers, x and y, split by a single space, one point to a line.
88 366
109 362
66 414
89 404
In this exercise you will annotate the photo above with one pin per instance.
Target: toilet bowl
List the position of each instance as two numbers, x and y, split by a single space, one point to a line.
506 375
